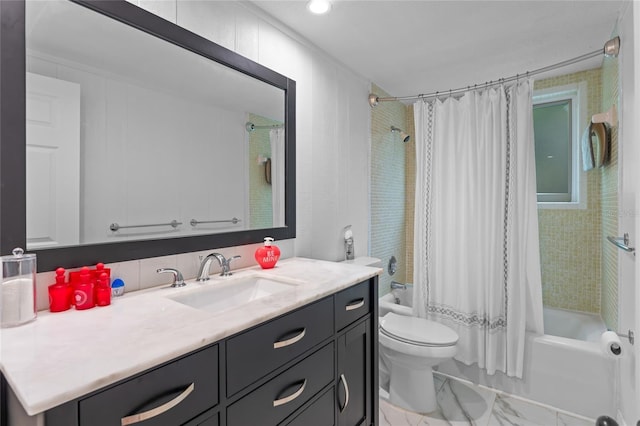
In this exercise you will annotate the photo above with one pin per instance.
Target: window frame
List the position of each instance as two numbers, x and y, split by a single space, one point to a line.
577 94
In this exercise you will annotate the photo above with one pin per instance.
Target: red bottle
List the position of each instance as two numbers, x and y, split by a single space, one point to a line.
100 269
60 293
267 256
103 290
83 290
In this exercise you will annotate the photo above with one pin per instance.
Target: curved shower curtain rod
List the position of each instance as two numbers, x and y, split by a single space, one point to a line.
611 49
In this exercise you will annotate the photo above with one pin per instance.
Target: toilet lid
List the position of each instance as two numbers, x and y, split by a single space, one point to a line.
417 331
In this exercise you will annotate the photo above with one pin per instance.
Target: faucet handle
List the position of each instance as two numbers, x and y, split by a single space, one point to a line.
226 266
178 280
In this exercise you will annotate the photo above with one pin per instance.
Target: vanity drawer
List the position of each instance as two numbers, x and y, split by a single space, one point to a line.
171 394
320 413
255 353
281 396
352 304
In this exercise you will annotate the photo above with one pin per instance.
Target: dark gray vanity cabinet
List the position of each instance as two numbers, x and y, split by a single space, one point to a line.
354 353
314 366
354 375
332 378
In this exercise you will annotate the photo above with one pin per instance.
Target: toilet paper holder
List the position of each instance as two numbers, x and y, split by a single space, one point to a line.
629 336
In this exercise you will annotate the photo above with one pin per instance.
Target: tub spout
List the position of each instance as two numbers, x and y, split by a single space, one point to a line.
397 285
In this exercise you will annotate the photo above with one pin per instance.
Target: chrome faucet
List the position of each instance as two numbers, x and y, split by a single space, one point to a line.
203 272
397 285
178 281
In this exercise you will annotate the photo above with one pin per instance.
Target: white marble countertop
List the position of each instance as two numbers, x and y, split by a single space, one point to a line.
62 356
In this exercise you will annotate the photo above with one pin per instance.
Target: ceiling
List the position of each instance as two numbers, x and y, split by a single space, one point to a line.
423 46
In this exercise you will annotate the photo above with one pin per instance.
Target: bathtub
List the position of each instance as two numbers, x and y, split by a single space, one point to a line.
566 373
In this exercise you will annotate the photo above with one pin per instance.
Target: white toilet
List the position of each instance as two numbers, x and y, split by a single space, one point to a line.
412 347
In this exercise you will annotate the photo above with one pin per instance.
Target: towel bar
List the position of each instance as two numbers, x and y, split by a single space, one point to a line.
622 243
115 226
233 220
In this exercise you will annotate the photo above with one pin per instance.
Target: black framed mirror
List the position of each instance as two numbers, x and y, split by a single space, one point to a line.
17 63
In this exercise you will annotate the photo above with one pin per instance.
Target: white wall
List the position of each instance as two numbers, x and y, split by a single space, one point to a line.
629 157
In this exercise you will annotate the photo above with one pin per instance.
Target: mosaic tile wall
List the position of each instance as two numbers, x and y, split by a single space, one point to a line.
410 184
388 199
260 201
571 239
610 210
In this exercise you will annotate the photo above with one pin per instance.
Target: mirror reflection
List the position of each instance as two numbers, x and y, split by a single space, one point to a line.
130 137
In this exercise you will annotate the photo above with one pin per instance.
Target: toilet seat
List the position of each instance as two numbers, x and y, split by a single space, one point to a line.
417 331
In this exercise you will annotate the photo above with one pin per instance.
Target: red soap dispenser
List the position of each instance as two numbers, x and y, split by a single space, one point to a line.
267 256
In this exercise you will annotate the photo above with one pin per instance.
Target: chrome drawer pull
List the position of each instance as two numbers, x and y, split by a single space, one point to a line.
294 339
346 392
136 418
354 305
291 397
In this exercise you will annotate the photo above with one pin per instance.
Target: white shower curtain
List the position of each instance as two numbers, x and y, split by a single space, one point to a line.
276 139
476 256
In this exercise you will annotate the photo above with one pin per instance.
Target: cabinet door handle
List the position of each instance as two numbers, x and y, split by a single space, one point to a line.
354 305
136 418
291 397
294 339
343 380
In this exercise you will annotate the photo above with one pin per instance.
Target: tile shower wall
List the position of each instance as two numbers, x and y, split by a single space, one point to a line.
410 188
388 194
570 239
610 209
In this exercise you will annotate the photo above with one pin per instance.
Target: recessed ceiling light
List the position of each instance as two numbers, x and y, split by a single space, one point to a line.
319 6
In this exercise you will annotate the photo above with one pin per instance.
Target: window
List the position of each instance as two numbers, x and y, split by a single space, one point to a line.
552 130
556 118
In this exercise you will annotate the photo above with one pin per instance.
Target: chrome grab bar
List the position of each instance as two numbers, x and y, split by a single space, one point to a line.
174 224
233 220
622 243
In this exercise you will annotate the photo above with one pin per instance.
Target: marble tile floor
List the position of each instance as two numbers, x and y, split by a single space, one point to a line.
461 403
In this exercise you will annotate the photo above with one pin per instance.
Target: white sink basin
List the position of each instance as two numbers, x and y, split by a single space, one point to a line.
218 296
